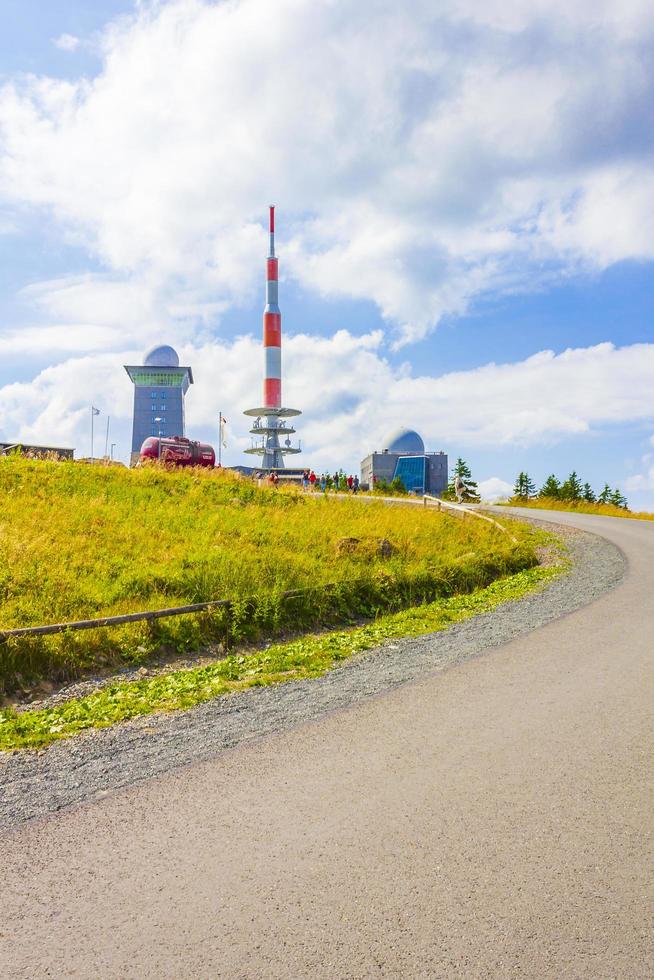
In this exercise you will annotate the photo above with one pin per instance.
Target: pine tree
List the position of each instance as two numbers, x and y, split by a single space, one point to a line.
588 494
618 500
518 486
551 488
571 489
462 469
605 495
524 487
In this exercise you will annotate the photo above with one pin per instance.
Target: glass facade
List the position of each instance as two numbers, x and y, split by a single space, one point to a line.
411 471
152 377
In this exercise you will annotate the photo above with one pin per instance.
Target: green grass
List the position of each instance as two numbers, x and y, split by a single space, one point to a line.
80 542
578 507
310 656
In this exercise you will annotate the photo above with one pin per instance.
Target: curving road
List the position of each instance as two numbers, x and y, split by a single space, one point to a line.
494 820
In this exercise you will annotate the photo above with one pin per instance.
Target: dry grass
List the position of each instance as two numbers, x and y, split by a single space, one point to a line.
581 507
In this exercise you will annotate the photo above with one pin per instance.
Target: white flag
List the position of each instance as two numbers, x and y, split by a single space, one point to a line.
223 432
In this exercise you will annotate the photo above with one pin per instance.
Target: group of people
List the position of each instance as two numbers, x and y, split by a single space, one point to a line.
330 481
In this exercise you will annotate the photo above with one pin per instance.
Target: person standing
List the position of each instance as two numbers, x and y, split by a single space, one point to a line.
350 481
312 479
355 485
305 480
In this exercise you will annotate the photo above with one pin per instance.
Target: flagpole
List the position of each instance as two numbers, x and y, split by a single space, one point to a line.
220 439
106 439
92 414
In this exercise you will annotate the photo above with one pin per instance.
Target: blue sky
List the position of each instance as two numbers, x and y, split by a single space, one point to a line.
465 224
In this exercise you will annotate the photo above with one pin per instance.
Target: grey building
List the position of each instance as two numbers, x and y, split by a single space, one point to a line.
160 385
405 456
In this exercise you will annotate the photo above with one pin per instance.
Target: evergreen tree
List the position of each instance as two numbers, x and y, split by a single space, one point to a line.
571 489
518 486
462 469
618 500
524 487
605 495
551 488
588 494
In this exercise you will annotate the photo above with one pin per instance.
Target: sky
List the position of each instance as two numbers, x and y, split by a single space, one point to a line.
465 224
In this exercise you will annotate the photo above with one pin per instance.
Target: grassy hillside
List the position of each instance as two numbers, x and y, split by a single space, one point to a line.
579 507
80 542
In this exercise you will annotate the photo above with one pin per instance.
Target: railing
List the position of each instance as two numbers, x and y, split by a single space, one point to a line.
467 510
91 624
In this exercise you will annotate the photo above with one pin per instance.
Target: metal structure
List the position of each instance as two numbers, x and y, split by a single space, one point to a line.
271 423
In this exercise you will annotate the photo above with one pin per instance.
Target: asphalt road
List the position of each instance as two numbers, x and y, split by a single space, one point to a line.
493 820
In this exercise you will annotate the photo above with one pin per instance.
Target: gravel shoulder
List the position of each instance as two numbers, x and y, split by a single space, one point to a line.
34 784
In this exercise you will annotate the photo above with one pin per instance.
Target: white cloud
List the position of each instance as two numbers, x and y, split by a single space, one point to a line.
67 42
495 489
70 338
351 396
641 481
645 479
417 161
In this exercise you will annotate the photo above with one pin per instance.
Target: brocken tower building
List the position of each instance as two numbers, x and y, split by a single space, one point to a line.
160 385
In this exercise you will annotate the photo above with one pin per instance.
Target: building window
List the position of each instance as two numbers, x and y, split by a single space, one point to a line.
411 470
172 378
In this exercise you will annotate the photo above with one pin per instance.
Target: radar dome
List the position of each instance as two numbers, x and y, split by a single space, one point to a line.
163 356
405 441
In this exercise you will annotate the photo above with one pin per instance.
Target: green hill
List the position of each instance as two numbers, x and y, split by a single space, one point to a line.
79 541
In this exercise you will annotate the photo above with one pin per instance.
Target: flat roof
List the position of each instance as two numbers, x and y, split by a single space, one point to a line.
156 369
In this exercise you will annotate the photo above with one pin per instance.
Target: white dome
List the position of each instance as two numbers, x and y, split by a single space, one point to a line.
405 441
162 356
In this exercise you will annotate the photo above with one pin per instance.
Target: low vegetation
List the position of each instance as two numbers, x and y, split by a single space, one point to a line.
81 542
572 495
579 507
310 656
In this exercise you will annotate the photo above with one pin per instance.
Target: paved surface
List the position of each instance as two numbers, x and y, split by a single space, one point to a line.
493 820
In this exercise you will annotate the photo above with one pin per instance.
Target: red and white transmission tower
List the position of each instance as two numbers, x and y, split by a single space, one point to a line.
271 418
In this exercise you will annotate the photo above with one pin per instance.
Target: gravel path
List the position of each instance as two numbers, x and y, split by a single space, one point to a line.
33 784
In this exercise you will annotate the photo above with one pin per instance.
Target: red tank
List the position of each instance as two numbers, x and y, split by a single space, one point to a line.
179 451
